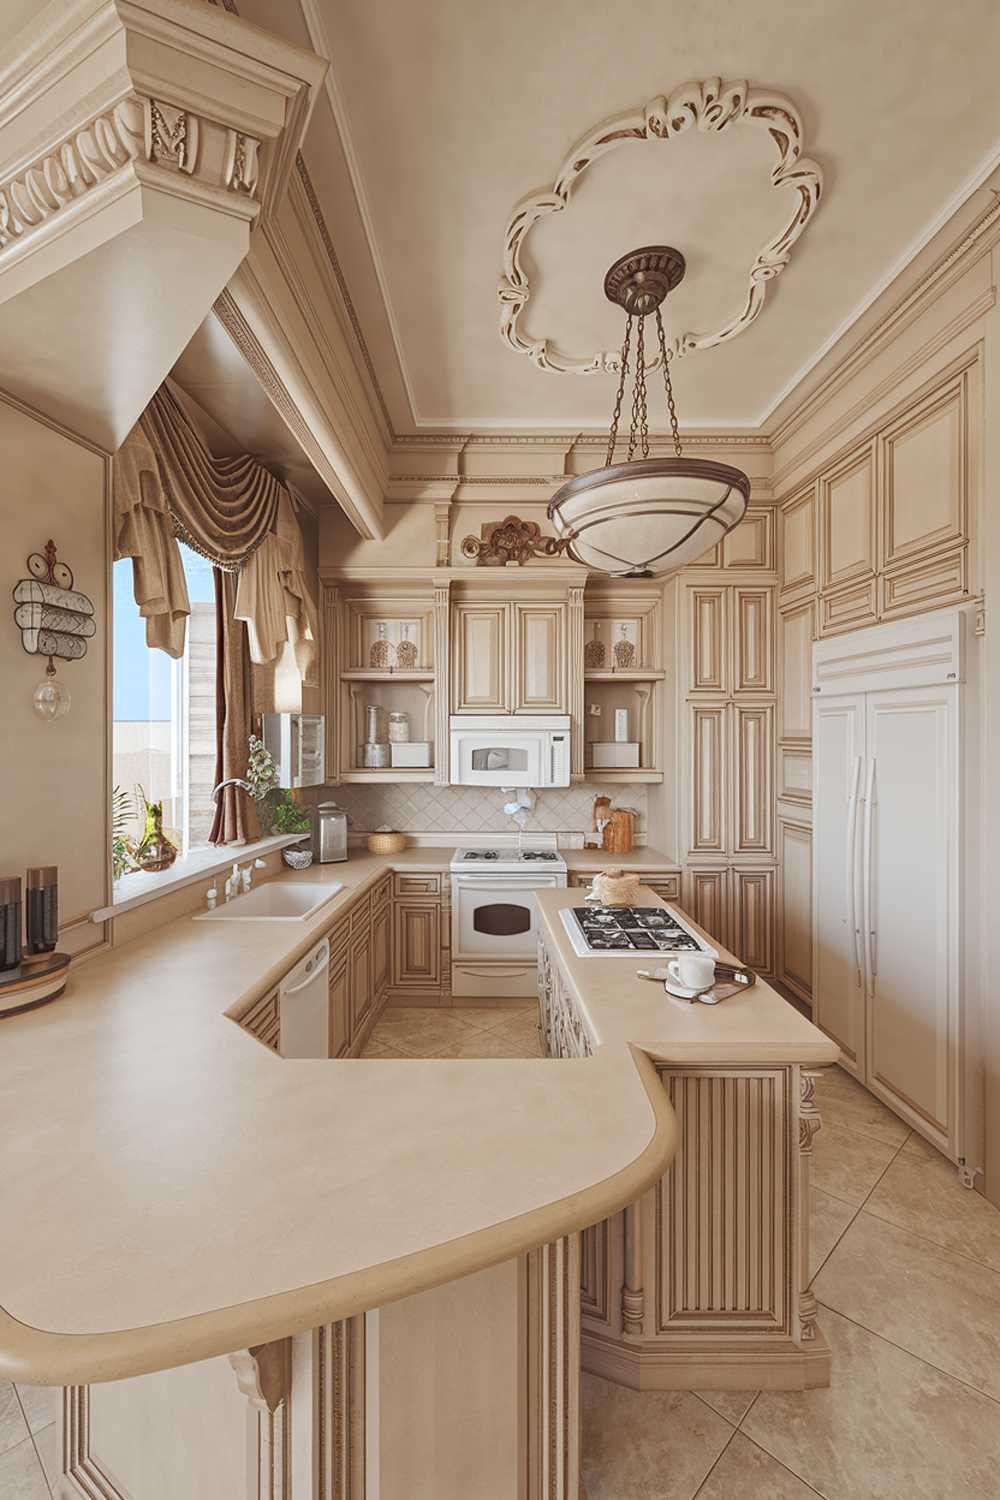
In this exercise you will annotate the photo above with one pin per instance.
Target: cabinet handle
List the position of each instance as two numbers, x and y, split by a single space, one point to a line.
867 914
851 862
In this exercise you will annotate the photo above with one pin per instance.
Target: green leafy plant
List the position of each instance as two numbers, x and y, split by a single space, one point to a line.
288 817
122 813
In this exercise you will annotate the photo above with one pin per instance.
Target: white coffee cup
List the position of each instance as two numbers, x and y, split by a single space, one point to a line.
692 971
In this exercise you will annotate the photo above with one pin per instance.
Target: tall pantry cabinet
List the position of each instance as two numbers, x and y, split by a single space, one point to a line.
894 853
727 730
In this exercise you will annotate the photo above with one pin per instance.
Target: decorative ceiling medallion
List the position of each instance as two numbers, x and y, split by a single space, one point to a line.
708 106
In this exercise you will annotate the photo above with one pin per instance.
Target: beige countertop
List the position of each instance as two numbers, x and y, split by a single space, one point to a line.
598 859
172 1190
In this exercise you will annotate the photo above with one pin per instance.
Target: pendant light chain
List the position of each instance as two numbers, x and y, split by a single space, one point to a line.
617 414
671 408
639 432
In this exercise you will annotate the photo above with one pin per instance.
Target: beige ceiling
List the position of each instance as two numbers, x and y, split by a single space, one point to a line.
442 114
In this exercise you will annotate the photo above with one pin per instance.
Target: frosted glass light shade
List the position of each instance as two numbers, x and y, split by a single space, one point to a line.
652 516
51 700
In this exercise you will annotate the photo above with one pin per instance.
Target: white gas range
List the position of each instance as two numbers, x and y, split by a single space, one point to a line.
494 931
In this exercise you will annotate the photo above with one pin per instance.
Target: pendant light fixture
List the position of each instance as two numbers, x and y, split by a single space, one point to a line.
647 516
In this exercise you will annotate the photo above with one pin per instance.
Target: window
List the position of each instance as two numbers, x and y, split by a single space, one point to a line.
164 710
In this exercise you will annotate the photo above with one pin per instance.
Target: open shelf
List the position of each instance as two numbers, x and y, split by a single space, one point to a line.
637 773
391 773
364 674
628 674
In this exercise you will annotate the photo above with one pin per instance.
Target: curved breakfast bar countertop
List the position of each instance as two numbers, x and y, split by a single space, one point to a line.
172 1190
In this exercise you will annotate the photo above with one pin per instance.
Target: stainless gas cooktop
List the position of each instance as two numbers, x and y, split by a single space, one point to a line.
626 931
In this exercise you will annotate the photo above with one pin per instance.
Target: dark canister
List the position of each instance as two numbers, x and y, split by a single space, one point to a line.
10 921
42 909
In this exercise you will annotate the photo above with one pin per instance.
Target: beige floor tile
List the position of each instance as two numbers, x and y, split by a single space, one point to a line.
521 1028
495 1044
732 1405
383 1049
491 1016
13 1428
847 1165
746 1472
941 1307
888 1428
921 1192
844 1101
21 1476
41 1404
646 1445
416 1030
828 1218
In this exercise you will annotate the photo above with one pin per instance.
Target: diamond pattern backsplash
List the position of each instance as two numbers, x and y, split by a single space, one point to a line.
466 809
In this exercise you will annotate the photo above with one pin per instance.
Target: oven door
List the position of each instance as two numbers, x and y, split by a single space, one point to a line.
494 917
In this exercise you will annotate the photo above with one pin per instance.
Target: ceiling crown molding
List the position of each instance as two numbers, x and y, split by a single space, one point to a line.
708 107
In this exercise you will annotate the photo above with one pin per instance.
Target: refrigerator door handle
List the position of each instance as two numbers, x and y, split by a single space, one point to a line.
866 877
851 865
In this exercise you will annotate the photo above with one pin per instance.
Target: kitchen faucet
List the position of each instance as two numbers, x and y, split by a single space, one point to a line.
232 781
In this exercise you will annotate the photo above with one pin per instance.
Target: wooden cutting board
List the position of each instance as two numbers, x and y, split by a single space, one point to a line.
619 831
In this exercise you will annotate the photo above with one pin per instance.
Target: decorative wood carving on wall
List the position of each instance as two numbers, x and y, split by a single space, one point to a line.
710 107
509 540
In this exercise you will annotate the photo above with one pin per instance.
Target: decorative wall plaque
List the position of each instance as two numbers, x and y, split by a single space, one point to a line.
509 541
54 618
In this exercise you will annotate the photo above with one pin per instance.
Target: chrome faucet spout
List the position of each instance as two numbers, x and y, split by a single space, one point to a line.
232 781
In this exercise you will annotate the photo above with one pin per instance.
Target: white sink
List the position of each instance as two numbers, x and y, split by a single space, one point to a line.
274 902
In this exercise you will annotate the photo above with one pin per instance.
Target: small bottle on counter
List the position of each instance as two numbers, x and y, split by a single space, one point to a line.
42 910
10 921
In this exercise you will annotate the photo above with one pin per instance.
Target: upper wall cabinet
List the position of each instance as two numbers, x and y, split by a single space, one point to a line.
509 658
797 548
847 521
749 546
924 462
730 639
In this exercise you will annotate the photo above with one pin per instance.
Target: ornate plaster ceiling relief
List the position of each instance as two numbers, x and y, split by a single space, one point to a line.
710 107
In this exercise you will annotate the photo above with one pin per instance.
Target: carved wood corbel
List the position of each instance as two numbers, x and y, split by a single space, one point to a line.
510 541
264 1373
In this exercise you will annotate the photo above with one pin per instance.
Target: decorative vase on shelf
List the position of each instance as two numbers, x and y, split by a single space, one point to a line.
155 850
624 650
378 652
593 651
406 652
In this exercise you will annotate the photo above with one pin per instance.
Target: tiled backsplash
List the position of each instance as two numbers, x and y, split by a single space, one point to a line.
425 808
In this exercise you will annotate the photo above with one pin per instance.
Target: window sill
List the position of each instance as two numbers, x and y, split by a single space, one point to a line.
139 887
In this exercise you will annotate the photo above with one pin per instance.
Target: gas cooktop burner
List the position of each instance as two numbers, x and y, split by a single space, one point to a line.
538 854
527 855
629 929
481 854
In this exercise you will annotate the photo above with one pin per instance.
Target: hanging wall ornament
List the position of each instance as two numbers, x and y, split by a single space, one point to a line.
55 620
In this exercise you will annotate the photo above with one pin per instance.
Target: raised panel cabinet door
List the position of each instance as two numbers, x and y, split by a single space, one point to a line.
753 918
381 931
416 945
708 636
797 549
925 464
361 993
795 637
706 899
709 737
910 875
751 544
838 793
795 917
480 659
753 777
847 520
539 658
340 1010
753 644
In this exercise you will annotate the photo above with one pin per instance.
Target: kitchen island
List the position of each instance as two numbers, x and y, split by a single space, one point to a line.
196 1233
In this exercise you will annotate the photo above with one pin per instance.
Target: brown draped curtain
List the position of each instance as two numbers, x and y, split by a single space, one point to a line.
236 820
168 485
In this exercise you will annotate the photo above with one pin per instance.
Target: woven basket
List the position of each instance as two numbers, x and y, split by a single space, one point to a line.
386 843
614 888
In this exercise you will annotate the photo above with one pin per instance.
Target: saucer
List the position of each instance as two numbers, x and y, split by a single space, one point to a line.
681 992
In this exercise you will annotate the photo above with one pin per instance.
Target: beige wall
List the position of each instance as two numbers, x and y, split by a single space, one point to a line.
54 800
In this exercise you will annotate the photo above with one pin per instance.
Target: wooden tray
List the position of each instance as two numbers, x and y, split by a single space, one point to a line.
33 983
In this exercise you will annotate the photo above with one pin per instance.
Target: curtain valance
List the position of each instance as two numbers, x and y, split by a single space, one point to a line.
232 510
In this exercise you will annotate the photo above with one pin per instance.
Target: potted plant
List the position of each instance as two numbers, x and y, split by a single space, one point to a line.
276 806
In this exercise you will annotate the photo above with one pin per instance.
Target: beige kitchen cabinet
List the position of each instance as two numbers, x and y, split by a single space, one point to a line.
381 950
362 995
796 629
847 520
925 466
797 563
509 657
730 639
735 905
749 546
795 942
340 1004
416 945
732 769
263 1020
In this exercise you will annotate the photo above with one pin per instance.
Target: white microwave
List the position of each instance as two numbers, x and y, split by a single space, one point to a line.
510 750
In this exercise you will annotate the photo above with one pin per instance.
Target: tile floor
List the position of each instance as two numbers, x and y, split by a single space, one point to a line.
907 1272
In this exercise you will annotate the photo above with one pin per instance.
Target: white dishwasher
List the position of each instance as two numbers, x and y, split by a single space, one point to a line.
304 1006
